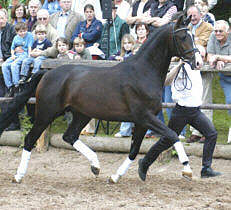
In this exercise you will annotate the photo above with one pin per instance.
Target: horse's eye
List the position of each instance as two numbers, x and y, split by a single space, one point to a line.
182 38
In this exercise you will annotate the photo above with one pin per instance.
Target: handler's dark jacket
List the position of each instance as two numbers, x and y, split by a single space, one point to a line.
90 34
8 33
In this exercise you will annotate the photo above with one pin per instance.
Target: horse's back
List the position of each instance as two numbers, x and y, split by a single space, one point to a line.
90 90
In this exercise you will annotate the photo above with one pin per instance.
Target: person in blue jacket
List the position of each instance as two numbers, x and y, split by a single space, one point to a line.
90 29
52 6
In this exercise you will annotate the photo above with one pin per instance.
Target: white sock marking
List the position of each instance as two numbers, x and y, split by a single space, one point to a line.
181 152
87 152
23 165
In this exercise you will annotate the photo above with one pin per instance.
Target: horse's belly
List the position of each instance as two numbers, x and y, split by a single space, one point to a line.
106 108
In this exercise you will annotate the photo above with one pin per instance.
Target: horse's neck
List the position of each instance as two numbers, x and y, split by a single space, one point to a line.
157 56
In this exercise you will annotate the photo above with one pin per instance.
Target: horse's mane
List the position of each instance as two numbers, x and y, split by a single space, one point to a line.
153 36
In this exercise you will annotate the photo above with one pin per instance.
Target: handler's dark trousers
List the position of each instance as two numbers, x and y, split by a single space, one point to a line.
180 117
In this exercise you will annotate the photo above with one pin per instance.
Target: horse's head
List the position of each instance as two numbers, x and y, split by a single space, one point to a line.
184 42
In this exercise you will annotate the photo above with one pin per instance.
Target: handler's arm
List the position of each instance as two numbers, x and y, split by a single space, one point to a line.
172 74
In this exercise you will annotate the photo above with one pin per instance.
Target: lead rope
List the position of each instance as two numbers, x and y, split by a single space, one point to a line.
185 78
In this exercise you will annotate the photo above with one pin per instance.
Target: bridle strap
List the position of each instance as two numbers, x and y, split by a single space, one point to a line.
181 55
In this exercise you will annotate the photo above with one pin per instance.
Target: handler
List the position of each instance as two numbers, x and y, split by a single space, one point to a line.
187 93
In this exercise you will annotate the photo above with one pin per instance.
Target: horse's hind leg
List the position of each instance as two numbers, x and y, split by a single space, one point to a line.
30 140
137 138
71 136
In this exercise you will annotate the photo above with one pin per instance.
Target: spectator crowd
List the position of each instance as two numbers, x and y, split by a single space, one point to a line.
75 29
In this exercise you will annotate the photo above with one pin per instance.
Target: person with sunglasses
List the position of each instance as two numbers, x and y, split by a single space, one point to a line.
64 22
219 54
43 18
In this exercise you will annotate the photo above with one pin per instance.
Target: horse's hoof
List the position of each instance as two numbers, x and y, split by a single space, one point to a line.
142 171
95 170
114 179
14 180
187 173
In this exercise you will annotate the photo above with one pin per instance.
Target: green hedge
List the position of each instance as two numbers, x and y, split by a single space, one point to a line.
6 3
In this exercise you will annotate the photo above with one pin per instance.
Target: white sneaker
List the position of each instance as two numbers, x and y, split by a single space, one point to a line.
229 136
118 135
181 137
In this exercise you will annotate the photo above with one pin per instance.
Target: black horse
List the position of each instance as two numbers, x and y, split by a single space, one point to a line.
129 92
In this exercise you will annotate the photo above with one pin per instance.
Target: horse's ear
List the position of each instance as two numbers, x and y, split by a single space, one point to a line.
180 21
187 20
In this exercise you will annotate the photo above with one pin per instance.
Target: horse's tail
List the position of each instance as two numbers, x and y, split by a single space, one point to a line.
18 102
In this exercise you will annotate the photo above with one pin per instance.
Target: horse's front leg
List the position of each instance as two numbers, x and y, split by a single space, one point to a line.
137 138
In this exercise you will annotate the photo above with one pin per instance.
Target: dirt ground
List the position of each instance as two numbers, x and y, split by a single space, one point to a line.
61 179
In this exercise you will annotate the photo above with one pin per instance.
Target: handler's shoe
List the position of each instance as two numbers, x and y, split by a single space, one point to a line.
209 172
142 171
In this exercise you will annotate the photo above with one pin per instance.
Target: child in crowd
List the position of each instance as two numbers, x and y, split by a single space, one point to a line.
80 50
127 46
83 53
41 43
206 15
63 45
204 8
20 49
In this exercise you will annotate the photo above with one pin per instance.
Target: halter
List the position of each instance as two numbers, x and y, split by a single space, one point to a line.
182 55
